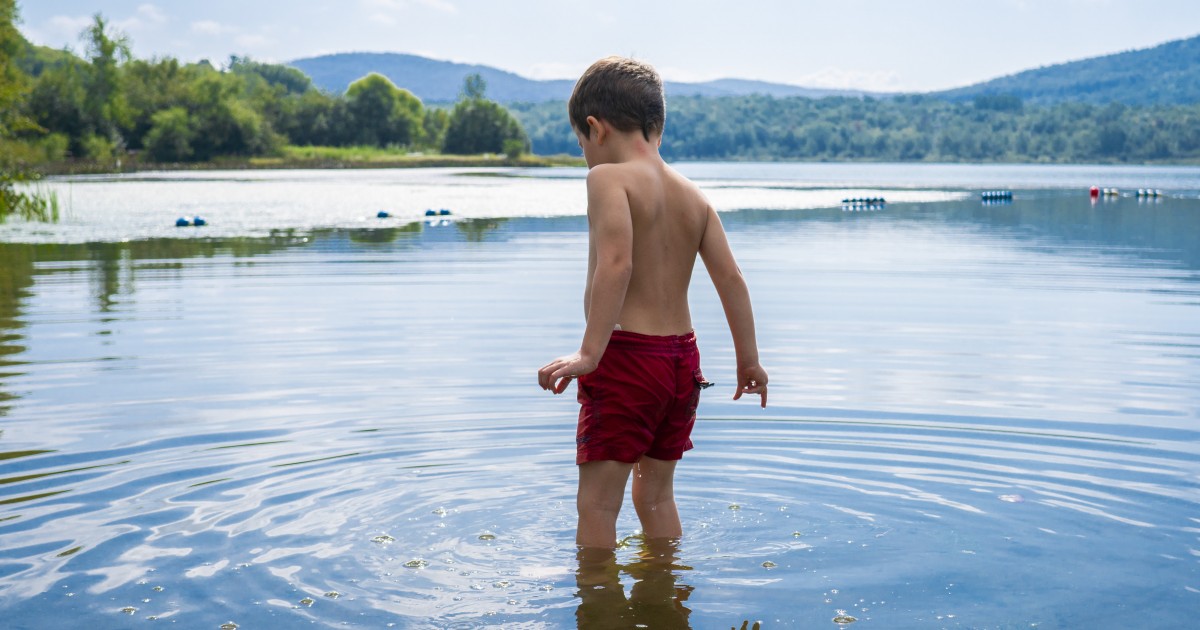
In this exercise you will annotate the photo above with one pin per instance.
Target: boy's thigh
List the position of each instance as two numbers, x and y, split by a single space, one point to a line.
654 473
603 481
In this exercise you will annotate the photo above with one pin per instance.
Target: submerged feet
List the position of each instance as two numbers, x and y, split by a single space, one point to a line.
656 598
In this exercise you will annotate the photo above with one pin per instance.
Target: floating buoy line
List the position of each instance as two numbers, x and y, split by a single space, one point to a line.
864 203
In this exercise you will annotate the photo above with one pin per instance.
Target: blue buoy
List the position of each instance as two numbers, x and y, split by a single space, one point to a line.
431 213
182 222
382 214
199 221
443 212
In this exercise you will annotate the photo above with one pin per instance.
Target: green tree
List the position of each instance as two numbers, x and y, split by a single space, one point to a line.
474 86
222 123
382 113
57 102
14 84
478 125
153 86
433 126
290 79
170 137
104 101
16 156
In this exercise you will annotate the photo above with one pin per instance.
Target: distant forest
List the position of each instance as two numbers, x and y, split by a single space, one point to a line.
989 128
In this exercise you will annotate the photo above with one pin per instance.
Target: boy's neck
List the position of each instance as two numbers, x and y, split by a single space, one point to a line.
627 146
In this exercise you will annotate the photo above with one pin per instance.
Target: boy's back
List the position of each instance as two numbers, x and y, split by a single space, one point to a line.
668 217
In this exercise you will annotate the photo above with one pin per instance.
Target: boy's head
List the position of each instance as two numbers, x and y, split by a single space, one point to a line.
625 93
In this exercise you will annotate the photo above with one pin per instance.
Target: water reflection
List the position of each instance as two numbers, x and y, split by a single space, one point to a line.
476 230
16 277
657 598
386 234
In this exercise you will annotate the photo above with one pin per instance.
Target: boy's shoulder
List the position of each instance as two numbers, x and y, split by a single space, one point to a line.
637 174
613 172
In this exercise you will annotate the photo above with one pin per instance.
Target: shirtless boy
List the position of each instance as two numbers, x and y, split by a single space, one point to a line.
638 367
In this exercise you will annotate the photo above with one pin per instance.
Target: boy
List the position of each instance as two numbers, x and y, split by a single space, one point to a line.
638 367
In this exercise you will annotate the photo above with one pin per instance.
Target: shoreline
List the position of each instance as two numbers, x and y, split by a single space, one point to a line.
90 167
377 161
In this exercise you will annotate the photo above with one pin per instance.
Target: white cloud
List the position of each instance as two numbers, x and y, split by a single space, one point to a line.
379 6
146 15
382 18
840 78
67 26
210 27
250 41
676 73
555 70
151 14
440 5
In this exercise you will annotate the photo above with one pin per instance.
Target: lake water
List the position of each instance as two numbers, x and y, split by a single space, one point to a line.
982 416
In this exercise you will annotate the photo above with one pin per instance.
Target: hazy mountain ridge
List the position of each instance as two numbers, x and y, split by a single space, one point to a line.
440 81
1167 74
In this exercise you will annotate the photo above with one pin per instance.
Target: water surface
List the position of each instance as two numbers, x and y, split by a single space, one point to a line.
982 415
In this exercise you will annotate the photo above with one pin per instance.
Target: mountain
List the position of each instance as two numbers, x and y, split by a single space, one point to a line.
440 81
1167 74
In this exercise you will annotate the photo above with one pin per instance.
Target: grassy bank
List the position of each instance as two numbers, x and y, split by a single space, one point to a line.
308 157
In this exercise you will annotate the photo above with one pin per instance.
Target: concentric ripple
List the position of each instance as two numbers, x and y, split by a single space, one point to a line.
980 417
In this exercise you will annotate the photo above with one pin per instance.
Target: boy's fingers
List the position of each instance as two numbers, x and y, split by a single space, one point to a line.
546 374
752 387
561 378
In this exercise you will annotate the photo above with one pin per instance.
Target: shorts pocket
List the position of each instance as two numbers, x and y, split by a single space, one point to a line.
701 383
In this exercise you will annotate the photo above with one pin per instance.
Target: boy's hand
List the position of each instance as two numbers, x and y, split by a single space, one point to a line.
557 374
752 379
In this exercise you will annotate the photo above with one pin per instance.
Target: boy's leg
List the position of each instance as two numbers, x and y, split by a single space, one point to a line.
654 498
601 492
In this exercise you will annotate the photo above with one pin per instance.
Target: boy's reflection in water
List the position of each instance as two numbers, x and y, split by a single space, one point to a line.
656 599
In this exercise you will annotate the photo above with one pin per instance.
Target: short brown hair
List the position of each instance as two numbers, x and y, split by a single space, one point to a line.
628 94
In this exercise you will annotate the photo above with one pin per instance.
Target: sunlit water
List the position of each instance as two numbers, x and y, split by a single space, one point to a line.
981 415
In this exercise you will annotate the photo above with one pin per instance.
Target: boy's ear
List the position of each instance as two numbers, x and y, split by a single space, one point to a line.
598 127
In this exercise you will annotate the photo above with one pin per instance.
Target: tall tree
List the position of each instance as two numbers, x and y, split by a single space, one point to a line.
105 103
478 125
13 83
15 155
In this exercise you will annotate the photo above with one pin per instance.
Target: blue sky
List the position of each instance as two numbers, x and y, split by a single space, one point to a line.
913 45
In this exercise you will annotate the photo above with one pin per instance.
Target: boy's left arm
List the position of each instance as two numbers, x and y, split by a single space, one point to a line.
611 231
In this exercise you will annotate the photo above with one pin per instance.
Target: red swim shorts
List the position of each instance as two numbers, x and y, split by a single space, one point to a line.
641 400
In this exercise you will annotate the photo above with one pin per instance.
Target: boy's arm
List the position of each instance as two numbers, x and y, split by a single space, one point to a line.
735 298
611 234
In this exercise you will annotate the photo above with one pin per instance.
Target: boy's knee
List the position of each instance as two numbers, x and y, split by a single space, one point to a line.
598 503
648 496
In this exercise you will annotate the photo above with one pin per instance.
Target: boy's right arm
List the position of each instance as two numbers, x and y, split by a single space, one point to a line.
735 298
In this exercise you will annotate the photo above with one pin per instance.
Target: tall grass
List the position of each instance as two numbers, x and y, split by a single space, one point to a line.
37 204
